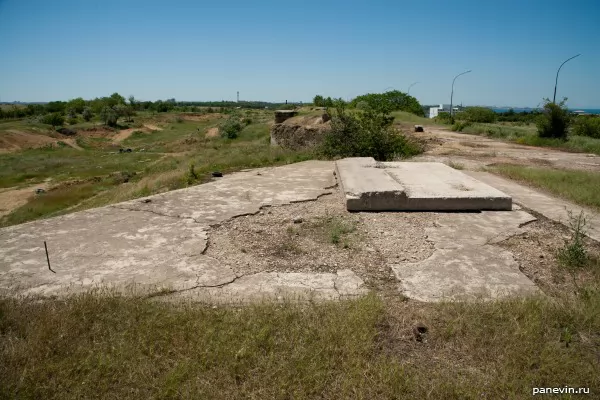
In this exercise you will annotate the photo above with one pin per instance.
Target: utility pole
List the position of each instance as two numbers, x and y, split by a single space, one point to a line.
452 94
238 96
556 81
410 87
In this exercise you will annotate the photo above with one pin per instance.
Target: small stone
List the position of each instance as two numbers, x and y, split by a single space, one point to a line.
541 256
146 200
298 220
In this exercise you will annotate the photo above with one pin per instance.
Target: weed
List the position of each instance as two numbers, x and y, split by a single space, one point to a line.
573 254
455 165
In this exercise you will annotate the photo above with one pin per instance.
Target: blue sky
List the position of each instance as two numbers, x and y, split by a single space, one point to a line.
277 51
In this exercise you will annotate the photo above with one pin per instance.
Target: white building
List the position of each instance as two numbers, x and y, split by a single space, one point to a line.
434 111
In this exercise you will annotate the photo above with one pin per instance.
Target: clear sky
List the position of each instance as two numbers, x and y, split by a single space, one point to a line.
292 50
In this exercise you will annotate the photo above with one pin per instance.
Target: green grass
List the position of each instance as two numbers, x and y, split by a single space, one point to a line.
581 187
163 165
102 345
65 163
403 116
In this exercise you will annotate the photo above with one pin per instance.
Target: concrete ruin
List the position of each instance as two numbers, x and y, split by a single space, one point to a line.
368 185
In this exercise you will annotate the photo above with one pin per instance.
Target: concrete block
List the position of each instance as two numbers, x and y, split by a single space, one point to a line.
420 186
366 187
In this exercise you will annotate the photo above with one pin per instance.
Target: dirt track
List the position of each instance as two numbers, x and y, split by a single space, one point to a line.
476 151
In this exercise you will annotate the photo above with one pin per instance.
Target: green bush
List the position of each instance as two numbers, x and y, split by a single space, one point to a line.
587 126
443 118
477 114
387 102
460 126
87 114
231 128
554 121
365 134
54 119
246 121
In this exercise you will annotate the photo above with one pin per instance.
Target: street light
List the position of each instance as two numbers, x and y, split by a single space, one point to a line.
452 93
556 81
410 87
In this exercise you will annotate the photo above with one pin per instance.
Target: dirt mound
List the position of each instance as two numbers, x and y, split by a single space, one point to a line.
13 140
199 117
125 133
300 132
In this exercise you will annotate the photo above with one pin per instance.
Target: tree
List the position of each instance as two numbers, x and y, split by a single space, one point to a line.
87 114
390 101
554 121
318 101
54 119
77 105
117 98
108 116
132 102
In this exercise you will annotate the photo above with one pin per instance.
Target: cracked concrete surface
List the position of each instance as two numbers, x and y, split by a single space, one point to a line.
157 243
466 264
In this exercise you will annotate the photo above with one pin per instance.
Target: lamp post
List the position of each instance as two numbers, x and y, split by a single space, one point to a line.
452 94
413 84
556 81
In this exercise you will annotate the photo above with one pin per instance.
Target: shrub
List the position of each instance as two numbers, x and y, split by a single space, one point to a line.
87 114
365 134
109 116
231 128
554 121
246 121
72 121
477 114
443 118
587 126
459 126
54 119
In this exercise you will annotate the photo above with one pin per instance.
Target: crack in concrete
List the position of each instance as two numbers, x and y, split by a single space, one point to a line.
162 293
153 212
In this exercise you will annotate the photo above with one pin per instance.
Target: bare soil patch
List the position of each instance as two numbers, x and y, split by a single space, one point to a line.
212 132
200 117
14 140
535 251
321 236
13 198
125 133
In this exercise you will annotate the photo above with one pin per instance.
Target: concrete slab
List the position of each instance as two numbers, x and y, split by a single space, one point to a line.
367 187
158 242
291 286
466 264
414 186
470 273
550 207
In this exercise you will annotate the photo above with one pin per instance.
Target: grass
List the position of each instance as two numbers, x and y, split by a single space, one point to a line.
581 187
103 345
164 164
527 135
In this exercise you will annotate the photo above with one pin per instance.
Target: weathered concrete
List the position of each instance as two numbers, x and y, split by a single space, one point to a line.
367 188
410 186
466 263
158 242
550 207
292 286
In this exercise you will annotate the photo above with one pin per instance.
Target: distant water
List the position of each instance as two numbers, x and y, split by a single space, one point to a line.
518 110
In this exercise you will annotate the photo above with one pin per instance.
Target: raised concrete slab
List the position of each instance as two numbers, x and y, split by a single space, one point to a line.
414 186
367 187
